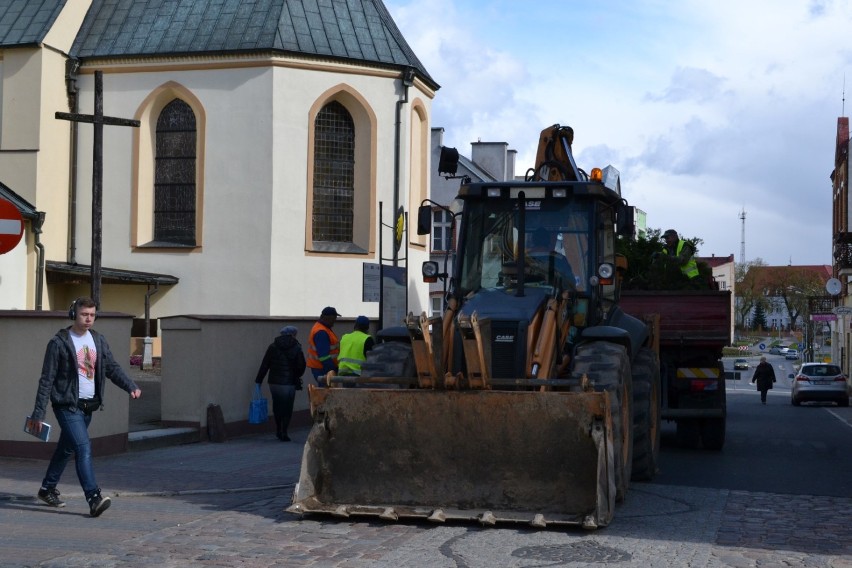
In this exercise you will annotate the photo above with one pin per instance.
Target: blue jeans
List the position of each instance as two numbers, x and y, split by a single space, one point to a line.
73 440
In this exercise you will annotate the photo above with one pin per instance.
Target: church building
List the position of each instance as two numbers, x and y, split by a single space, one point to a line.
279 143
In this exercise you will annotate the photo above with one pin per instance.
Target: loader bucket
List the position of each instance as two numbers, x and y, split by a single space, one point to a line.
519 456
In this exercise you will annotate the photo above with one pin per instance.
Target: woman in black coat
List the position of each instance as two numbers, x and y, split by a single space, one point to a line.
285 363
764 375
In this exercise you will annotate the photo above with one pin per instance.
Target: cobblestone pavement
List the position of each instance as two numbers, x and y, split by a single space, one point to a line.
212 504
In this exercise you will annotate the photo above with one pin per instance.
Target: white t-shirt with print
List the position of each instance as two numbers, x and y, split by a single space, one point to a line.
87 355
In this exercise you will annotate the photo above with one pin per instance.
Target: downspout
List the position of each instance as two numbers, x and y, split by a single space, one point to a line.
71 67
407 79
37 224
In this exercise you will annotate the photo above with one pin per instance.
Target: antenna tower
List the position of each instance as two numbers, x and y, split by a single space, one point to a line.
742 238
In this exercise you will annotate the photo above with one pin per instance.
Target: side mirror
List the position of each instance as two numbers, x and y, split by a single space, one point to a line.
424 220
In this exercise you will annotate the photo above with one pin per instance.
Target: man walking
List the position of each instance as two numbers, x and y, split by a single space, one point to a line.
764 375
76 363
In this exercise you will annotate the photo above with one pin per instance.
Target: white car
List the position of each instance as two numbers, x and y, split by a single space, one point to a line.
792 354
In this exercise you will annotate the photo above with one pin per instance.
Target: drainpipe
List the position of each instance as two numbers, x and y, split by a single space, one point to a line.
37 224
71 68
407 79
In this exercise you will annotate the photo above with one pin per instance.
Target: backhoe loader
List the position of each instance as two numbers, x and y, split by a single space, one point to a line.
527 394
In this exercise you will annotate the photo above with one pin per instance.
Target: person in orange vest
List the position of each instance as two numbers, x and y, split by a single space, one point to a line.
323 344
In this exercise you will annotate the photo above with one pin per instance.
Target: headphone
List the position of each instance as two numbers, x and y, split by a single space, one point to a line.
72 311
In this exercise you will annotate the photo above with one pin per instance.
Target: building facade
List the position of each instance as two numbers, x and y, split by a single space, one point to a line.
271 135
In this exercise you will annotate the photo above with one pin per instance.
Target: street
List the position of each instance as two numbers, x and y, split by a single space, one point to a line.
778 494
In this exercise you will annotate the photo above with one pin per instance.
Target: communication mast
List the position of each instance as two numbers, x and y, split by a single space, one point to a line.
742 238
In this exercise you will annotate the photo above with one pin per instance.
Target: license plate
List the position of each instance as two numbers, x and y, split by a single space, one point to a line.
822 382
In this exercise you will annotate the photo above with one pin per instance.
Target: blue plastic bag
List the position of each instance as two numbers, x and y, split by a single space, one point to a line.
258 408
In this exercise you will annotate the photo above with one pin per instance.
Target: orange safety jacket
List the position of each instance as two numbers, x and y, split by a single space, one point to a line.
314 359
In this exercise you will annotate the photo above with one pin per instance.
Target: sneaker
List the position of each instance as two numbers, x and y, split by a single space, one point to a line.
51 497
98 504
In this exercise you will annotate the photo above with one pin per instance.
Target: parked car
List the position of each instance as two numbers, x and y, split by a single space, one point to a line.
740 364
775 350
820 381
791 354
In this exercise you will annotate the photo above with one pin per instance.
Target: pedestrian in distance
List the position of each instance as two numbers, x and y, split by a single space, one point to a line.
76 363
323 345
764 376
285 364
354 347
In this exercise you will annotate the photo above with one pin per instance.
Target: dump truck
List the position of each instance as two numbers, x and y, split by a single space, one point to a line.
691 328
533 398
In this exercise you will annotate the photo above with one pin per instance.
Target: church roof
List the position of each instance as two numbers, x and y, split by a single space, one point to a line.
26 22
355 30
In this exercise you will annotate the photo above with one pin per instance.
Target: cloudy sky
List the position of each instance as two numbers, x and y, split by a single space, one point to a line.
708 109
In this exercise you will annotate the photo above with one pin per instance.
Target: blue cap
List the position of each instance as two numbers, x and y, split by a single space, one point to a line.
329 311
289 330
362 321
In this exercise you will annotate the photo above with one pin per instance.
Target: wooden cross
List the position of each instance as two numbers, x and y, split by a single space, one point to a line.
98 119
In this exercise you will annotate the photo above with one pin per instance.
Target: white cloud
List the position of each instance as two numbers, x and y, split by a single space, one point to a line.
705 108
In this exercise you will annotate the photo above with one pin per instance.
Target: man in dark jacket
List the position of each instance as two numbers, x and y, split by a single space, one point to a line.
285 363
76 363
764 375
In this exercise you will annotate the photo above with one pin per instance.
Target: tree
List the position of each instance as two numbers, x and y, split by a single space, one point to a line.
759 320
649 271
749 289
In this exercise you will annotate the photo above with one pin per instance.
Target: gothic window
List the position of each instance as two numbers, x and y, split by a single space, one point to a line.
334 175
174 175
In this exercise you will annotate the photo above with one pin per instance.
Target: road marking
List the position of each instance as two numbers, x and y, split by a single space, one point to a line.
833 413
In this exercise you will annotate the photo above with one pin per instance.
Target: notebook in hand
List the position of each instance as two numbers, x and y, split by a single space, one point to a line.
44 435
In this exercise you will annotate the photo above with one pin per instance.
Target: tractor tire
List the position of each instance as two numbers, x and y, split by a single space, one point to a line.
607 365
646 415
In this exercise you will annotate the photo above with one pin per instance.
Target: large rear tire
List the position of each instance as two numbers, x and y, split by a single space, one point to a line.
607 365
646 414
713 433
688 433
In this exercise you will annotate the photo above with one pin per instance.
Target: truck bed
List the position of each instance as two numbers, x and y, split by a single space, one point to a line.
698 318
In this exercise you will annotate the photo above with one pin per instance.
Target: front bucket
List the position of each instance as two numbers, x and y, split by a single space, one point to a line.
521 456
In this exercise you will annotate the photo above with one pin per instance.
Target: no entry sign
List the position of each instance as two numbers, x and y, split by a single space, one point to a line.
11 226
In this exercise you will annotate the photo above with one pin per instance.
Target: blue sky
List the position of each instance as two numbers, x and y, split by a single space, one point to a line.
706 108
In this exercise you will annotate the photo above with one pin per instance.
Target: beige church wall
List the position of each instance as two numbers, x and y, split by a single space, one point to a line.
252 258
25 336
21 98
333 278
63 32
227 272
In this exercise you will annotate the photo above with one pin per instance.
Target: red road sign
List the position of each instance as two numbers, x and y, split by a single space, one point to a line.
11 226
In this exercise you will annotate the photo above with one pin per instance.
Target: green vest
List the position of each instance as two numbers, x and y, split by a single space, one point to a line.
352 353
690 269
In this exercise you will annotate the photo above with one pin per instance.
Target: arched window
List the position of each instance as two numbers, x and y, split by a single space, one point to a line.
174 175
334 175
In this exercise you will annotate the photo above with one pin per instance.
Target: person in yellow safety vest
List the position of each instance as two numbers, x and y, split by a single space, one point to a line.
682 252
323 345
354 347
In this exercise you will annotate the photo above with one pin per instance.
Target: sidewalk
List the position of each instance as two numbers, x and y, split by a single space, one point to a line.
150 490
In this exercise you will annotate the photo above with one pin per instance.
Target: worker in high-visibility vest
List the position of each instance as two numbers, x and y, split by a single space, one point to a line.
323 345
682 253
354 347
